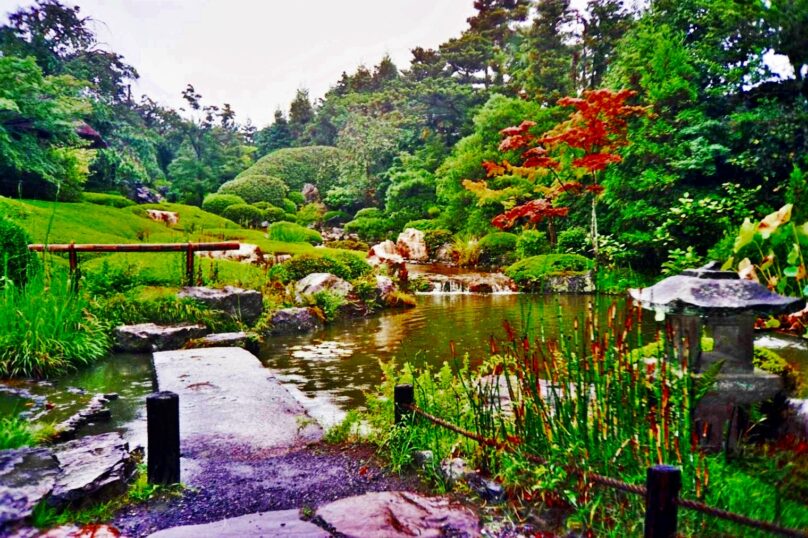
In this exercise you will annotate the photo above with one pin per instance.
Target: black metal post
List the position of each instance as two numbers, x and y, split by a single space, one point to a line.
663 484
403 397
163 432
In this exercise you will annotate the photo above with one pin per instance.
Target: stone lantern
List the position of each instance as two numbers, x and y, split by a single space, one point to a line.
727 306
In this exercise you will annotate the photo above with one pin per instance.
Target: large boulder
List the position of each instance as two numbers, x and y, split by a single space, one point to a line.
399 514
245 305
317 282
295 320
411 245
148 337
246 253
27 475
310 193
280 524
94 468
169 218
384 252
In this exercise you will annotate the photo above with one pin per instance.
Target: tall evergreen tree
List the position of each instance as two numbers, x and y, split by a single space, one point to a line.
275 136
301 113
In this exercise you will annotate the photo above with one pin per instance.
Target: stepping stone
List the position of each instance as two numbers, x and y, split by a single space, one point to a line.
148 337
27 475
295 320
95 467
281 524
399 514
236 339
246 305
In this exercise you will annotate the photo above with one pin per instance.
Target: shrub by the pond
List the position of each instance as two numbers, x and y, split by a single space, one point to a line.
434 239
111 200
532 243
306 264
216 203
574 240
290 232
497 247
370 229
531 272
47 329
17 263
257 188
15 433
423 224
356 264
247 215
349 244
369 213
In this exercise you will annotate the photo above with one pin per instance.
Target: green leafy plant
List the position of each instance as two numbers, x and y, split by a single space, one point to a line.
18 263
216 203
532 243
291 232
498 247
531 273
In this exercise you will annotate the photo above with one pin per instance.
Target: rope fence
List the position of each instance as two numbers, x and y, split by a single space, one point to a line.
661 491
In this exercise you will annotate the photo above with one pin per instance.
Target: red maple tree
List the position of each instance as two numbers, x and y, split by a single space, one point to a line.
574 153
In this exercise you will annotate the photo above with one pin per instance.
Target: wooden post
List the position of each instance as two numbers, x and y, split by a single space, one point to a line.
403 397
663 484
163 437
189 265
73 258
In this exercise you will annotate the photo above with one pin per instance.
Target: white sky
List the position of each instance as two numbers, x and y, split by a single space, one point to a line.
255 54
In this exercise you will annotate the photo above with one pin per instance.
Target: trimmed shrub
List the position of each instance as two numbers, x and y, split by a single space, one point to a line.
532 243
574 240
289 205
274 214
320 165
290 232
530 273
290 217
336 217
296 197
246 215
216 203
17 263
370 229
111 200
306 264
422 224
369 213
356 264
257 188
310 213
350 244
496 247
435 239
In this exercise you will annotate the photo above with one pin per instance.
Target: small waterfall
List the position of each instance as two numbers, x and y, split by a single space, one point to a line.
493 283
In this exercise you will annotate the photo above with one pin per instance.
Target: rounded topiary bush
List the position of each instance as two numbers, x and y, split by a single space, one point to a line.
435 239
496 247
574 240
257 188
297 198
356 264
531 273
306 264
288 205
16 261
336 217
244 214
370 229
369 213
290 232
532 243
216 203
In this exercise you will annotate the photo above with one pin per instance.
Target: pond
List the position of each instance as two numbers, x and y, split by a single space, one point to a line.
329 371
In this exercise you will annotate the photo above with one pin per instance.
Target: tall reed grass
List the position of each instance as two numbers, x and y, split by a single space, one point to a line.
46 328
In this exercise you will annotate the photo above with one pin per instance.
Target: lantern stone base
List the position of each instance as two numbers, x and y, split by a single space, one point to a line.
728 403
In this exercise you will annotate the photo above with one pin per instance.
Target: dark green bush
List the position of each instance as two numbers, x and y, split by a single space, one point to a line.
16 261
310 214
290 217
336 217
497 247
532 243
257 188
293 233
111 200
530 273
574 240
356 264
370 229
216 203
246 215
435 239
320 165
271 212
369 213
296 197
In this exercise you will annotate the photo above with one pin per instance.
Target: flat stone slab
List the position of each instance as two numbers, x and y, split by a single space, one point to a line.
234 339
399 514
246 305
228 397
27 475
283 524
148 337
95 467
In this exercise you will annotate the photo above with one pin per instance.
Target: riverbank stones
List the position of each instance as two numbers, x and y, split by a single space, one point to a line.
149 337
241 304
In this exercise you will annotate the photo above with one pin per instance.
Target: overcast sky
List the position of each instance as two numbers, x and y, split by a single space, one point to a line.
254 54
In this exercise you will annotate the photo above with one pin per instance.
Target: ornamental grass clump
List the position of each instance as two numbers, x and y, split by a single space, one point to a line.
46 328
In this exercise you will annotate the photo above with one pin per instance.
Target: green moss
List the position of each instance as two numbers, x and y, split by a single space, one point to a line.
112 200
